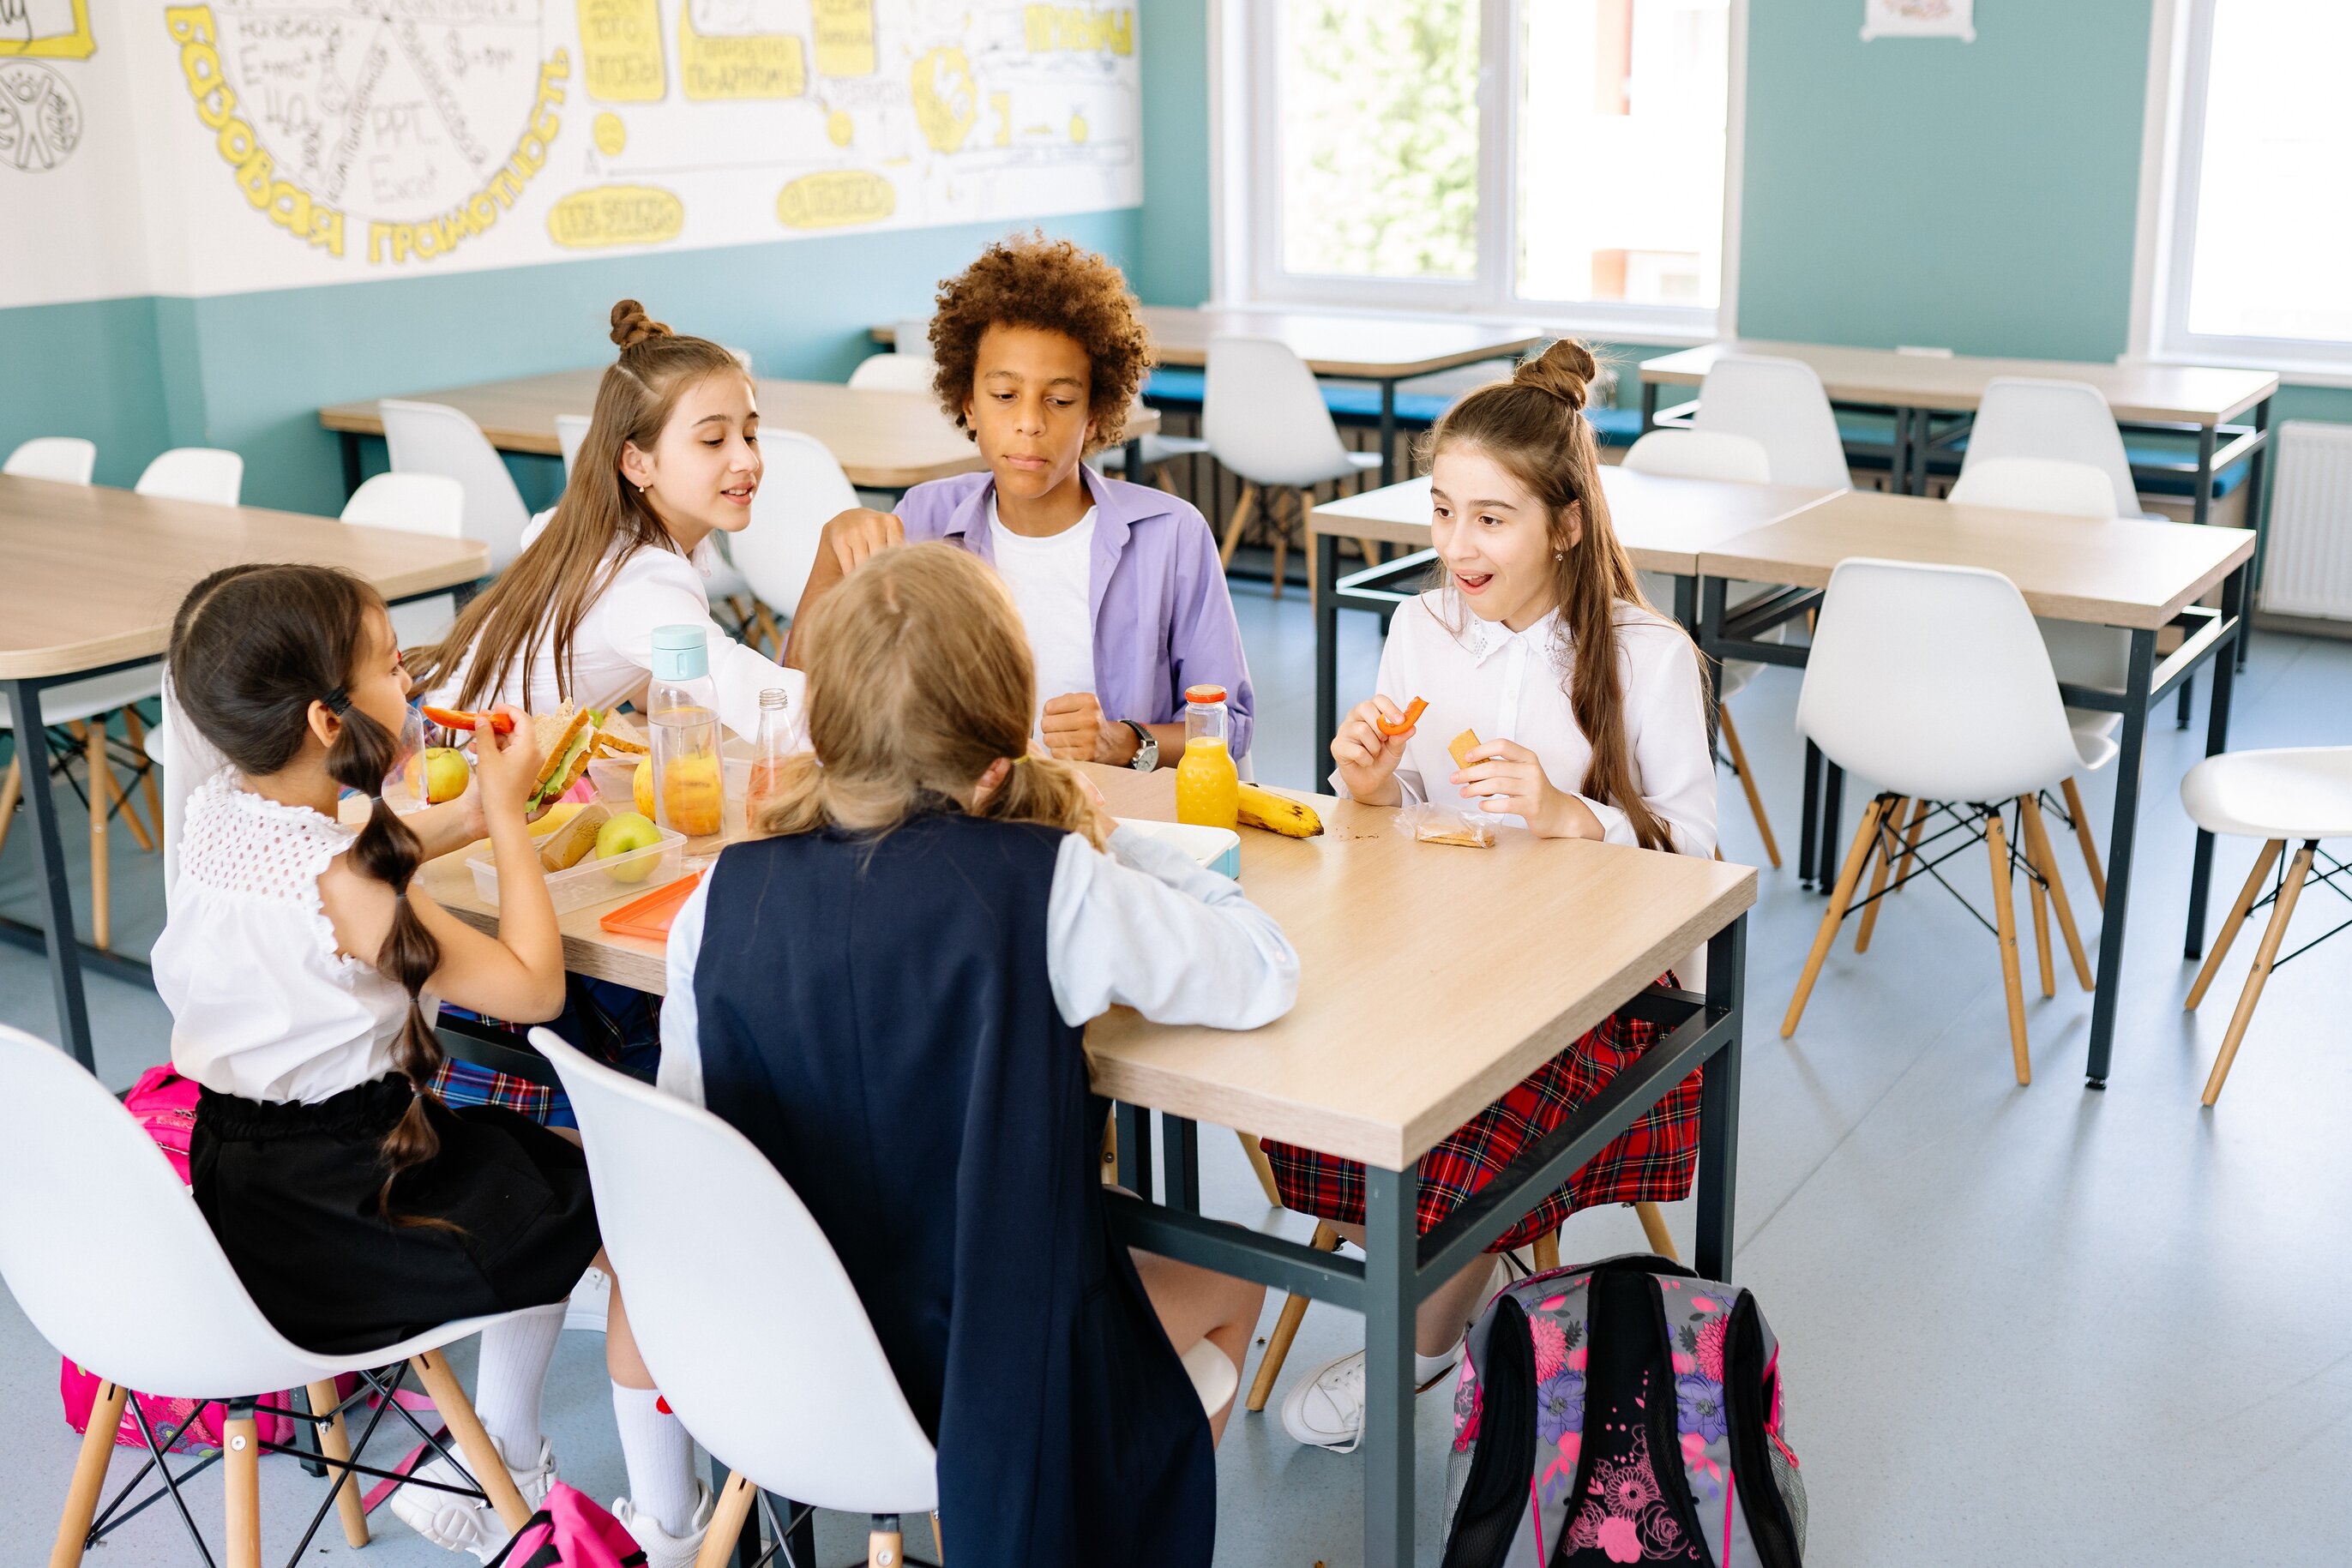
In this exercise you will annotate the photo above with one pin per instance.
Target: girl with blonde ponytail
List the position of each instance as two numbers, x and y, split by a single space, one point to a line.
887 994
1582 714
303 969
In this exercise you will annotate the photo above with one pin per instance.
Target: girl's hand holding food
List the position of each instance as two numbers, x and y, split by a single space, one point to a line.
1368 754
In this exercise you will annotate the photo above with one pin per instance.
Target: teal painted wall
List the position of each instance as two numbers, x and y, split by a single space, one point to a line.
92 370
1173 252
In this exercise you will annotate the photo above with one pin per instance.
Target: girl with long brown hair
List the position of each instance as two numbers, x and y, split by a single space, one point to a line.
1589 713
907 1049
303 969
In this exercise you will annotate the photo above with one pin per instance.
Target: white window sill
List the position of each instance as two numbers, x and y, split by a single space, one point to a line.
2316 371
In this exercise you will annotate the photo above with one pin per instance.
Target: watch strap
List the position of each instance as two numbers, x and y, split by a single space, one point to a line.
1146 746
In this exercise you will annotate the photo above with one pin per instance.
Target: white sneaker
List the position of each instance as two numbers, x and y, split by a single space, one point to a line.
662 1548
591 1302
461 1523
1324 1409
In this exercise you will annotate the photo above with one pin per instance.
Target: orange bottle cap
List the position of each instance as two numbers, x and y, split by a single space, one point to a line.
1204 694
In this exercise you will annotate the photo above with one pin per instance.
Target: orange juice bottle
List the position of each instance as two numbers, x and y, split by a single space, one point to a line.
1208 788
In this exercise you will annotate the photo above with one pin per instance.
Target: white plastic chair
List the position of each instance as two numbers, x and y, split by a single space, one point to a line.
433 438
570 430
431 504
2081 653
912 335
802 489
894 372
1781 404
2302 793
2024 416
1933 680
96 1219
194 474
1736 459
742 356
1155 453
68 459
1263 417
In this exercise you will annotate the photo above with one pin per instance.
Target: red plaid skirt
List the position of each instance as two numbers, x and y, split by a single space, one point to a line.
1650 1162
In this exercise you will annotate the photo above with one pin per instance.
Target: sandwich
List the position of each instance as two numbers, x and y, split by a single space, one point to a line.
565 737
617 737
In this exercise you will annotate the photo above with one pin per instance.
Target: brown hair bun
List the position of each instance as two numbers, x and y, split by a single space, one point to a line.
632 326
1566 370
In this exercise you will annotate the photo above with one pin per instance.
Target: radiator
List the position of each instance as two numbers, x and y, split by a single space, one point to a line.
2307 564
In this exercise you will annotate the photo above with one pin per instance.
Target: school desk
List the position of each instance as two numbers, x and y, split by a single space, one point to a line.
1384 349
1416 1008
93 578
883 440
1664 523
2127 572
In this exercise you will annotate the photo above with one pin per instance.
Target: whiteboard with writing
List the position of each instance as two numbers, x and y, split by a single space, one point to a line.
278 143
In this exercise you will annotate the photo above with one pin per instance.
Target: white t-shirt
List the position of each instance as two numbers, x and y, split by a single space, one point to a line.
1051 580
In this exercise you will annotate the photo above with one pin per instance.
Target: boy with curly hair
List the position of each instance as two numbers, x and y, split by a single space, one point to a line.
1040 349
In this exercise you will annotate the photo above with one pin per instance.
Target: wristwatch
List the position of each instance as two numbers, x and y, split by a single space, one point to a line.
1147 747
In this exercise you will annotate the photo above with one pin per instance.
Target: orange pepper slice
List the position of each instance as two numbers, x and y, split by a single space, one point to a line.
1413 710
450 718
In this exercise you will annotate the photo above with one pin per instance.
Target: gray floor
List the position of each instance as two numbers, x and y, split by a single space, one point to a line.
2020 1324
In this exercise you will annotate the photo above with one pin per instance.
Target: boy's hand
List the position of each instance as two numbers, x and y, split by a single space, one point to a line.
857 535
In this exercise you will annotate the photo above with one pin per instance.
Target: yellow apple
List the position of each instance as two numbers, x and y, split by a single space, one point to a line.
693 793
446 773
641 787
627 831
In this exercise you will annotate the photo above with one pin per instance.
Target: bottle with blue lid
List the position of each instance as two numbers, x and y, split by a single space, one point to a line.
682 714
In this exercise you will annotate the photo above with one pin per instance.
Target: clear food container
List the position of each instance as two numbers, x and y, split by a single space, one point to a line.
595 881
1213 849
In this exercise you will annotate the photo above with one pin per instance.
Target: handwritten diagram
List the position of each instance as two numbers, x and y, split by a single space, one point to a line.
46 29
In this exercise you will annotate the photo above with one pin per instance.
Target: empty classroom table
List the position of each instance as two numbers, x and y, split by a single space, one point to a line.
2126 572
1378 1062
1663 522
1382 349
883 440
93 578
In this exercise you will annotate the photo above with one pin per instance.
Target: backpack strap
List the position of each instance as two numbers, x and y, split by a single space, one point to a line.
1498 1384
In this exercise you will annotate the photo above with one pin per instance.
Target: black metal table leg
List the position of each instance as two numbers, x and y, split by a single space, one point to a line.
1826 873
1181 1144
2138 680
1135 1150
1326 650
2234 596
1809 819
65 952
1388 431
1718 1105
1391 1260
2257 471
1649 405
351 445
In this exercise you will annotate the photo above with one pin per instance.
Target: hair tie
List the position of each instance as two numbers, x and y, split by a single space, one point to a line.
338 702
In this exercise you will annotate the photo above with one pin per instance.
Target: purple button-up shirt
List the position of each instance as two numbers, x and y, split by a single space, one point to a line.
1162 618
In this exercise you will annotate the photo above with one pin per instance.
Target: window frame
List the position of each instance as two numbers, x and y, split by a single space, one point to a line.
2171 171
1246 195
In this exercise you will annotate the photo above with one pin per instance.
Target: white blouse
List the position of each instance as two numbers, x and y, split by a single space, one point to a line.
612 651
1513 685
262 1004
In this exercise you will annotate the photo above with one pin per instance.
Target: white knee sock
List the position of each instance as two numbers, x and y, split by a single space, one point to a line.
510 1378
660 1458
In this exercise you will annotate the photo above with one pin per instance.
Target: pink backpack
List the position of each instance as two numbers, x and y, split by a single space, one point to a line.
165 1105
570 1531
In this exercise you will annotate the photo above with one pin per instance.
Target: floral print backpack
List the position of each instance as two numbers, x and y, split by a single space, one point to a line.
1625 1411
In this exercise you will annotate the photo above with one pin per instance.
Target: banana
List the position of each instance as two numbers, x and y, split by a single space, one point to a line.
1278 813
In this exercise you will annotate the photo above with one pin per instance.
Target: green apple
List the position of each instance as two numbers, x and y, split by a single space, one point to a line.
627 831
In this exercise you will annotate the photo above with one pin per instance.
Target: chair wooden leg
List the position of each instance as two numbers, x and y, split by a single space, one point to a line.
1654 1226
335 1443
1110 1151
2256 977
1286 1329
940 1541
93 736
2037 842
735 1501
242 1462
1261 1166
885 1544
136 728
89 1475
2004 910
1910 843
12 790
2039 896
120 798
1883 854
1547 1252
1730 733
1864 837
2082 836
1236 523
480 1454
2237 919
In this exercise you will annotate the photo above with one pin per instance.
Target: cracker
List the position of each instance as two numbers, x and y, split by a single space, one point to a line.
1461 746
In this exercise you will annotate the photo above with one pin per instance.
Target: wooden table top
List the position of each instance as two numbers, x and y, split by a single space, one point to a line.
2113 571
2161 394
883 440
1363 348
94 575
1416 1007
1665 523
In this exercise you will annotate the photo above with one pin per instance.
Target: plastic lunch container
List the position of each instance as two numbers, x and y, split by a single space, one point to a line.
1216 849
616 779
594 881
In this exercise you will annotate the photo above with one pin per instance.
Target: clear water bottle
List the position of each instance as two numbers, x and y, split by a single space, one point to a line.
682 708
773 749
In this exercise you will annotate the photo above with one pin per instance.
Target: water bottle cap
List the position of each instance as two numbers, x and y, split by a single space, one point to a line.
775 697
680 654
1204 694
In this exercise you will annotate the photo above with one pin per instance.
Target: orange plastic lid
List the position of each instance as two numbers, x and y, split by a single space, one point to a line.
1204 694
650 917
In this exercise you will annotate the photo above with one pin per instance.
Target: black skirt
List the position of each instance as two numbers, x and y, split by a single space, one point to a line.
291 1192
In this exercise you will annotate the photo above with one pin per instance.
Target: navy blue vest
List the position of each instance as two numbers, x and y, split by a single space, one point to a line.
877 1016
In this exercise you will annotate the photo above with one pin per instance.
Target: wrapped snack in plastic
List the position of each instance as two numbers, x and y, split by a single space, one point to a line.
1430 824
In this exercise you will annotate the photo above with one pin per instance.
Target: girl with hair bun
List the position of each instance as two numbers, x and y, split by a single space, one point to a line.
1587 710
303 971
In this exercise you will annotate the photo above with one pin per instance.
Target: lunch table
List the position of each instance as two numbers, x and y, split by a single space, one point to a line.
94 575
1384 349
1663 522
1388 1050
2140 575
883 440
